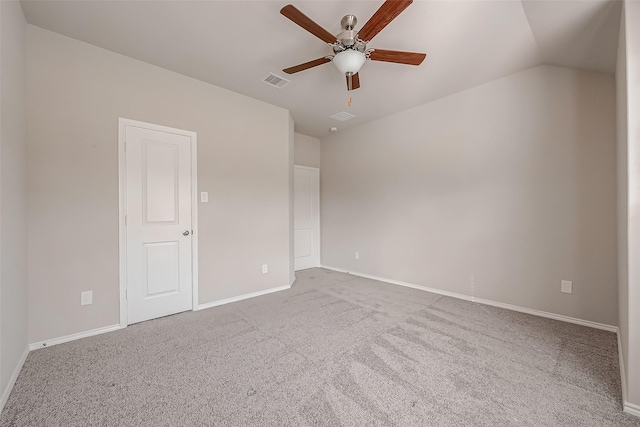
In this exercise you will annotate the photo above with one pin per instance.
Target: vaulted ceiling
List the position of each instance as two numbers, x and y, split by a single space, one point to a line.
236 44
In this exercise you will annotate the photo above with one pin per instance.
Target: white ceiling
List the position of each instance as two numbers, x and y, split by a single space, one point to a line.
235 44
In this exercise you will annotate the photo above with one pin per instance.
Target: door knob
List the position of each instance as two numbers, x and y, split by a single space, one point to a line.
185 233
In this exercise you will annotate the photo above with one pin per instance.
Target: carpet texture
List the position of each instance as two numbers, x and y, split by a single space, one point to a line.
335 350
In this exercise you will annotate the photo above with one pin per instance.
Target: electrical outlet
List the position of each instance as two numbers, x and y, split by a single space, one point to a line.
86 297
265 268
357 255
566 286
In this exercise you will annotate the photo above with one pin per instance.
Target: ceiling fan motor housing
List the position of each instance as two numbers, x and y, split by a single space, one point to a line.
348 38
348 22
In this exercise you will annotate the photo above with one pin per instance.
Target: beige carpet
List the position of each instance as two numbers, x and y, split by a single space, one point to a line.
334 350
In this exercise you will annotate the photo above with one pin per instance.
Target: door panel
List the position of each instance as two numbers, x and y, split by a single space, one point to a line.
162 263
306 209
158 230
160 182
303 243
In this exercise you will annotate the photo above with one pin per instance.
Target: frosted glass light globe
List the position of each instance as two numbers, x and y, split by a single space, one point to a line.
349 61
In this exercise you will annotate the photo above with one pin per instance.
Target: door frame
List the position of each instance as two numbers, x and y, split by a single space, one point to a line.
319 222
122 230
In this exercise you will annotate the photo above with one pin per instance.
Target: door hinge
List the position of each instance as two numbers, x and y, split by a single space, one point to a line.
125 146
125 220
126 294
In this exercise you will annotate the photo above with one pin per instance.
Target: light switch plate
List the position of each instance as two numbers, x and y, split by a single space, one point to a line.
204 197
265 268
566 286
86 297
356 255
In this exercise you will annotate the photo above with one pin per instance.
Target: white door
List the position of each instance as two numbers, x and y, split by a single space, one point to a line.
306 218
158 223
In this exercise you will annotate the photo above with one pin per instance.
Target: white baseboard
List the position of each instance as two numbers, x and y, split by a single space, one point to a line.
518 308
7 391
548 315
291 282
241 297
73 337
632 409
340 270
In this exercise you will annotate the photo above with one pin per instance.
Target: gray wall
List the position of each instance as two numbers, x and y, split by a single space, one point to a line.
13 227
307 151
512 182
76 93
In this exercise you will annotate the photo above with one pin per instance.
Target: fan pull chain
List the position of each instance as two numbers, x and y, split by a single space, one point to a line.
349 103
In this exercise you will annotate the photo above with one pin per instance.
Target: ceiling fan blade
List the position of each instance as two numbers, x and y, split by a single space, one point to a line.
307 23
409 58
306 65
389 10
355 81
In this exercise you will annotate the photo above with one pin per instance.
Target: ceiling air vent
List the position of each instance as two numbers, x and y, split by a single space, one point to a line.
276 81
342 116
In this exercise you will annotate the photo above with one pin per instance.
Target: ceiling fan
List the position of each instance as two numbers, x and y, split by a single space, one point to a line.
350 46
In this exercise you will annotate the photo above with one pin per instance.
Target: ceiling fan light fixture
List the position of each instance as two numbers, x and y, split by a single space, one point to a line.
350 46
349 61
